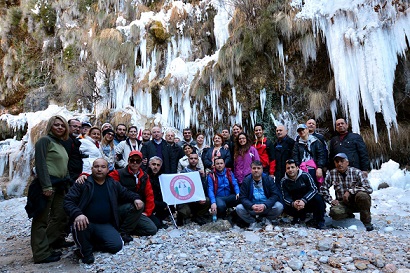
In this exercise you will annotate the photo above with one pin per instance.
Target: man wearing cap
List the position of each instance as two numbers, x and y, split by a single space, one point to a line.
352 190
351 144
85 127
300 196
309 154
283 151
136 180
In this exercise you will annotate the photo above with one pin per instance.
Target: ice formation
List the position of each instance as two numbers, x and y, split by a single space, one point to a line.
363 39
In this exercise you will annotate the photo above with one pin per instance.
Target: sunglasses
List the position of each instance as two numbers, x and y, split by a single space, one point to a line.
290 161
138 161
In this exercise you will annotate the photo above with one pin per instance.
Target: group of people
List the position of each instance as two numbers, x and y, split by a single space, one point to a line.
103 184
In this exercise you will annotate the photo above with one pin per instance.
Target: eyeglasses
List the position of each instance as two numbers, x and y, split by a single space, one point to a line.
290 161
156 164
138 161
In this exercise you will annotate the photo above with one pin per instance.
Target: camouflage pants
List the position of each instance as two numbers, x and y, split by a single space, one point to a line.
359 202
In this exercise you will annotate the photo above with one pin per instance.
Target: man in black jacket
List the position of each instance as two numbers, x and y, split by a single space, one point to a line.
352 145
72 146
259 196
283 152
158 147
93 210
300 196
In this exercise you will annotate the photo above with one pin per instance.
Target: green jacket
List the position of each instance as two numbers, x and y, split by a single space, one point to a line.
51 158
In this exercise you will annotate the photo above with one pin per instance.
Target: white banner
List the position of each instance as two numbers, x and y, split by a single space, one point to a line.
181 188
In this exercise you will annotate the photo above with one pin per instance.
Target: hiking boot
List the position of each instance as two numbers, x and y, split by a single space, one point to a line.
61 244
369 227
312 223
49 259
200 220
253 226
56 253
180 220
78 253
88 259
321 225
126 238
295 221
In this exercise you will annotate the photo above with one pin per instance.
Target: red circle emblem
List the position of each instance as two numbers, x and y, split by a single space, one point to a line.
182 187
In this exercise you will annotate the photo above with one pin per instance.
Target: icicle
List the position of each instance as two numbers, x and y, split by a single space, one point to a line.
363 46
262 95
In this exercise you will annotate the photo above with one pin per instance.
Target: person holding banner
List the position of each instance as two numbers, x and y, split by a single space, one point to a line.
259 196
161 208
223 189
198 209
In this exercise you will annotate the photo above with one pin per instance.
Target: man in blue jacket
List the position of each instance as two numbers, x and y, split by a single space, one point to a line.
223 189
259 196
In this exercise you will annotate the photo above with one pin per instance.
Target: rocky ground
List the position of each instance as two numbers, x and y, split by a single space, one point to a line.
220 248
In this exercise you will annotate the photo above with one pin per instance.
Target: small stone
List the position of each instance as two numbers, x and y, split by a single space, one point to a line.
361 264
324 244
334 262
265 268
295 264
389 268
324 259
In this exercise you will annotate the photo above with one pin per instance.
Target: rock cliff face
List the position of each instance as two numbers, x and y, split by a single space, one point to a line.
204 64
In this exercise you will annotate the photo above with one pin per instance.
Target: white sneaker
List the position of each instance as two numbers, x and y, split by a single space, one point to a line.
268 225
252 226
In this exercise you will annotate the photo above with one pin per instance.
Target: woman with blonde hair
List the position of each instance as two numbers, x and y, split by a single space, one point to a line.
51 165
107 148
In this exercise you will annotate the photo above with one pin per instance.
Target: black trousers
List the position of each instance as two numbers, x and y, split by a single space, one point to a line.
97 237
315 205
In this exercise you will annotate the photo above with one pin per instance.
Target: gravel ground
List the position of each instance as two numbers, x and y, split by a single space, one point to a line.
220 248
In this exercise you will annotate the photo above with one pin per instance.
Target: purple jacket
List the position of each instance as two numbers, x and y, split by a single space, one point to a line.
242 164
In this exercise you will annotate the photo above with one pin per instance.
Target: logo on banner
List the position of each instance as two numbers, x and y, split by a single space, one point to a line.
182 187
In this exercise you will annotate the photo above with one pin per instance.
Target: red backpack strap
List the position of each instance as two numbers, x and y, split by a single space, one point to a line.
215 181
229 176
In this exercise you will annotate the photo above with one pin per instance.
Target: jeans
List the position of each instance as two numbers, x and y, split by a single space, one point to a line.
249 216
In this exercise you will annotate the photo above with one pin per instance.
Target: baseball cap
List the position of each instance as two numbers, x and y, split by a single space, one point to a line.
301 126
138 153
341 155
86 124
